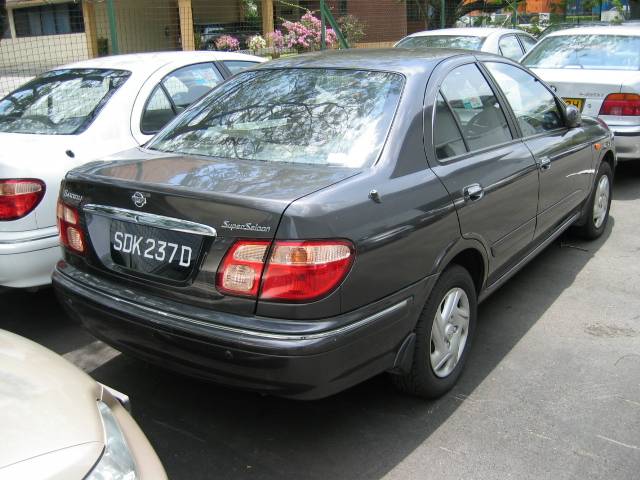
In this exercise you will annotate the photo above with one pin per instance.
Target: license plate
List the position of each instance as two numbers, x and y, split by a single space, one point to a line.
576 102
153 251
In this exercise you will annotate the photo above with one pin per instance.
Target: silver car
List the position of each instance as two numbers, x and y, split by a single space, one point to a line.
502 41
59 424
597 69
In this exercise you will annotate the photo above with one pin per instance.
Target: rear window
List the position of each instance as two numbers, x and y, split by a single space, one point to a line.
594 52
442 41
60 102
236 66
312 116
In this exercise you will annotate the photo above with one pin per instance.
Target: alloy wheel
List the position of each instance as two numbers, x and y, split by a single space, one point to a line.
449 332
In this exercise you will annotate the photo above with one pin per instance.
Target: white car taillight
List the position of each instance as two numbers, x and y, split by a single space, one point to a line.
621 105
71 235
296 271
18 197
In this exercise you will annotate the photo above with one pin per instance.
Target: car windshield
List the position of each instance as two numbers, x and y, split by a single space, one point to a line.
59 102
442 41
309 115
595 52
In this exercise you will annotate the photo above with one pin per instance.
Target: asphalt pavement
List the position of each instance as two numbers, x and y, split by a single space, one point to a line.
551 389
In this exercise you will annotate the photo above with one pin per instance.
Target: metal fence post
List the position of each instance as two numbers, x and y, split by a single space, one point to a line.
113 30
443 14
323 27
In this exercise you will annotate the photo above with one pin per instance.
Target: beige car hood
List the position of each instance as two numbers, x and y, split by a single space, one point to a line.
46 405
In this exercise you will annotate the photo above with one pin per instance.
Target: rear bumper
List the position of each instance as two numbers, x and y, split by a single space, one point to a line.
27 258
303 364
627 141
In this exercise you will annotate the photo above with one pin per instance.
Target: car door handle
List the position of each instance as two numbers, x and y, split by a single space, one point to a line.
545 163
473 192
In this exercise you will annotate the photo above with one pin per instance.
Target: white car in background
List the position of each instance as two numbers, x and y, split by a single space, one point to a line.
507 42
75 114
597 69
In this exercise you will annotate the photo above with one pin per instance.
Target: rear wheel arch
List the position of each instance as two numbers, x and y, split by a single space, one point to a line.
470 256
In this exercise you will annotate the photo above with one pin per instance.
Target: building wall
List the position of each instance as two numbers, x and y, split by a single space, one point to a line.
142 25
540 6
216 11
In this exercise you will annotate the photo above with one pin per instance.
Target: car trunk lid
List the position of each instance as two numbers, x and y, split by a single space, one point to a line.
205 204
585 88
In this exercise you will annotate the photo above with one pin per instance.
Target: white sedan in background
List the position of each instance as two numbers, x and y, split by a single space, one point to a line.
597 69
501 41
75 114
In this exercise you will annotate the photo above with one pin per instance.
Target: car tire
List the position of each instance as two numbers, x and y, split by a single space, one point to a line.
425 379
598 204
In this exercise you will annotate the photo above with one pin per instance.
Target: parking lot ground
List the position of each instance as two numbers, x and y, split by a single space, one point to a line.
551 389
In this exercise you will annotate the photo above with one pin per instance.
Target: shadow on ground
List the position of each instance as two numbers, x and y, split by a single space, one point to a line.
205 431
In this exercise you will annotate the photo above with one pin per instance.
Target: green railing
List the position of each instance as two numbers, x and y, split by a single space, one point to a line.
327 16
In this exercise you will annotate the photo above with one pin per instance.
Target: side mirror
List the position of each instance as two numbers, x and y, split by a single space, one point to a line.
572 116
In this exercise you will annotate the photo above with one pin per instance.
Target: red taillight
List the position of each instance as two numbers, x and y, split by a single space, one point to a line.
71 235
295 271
18 197
621 105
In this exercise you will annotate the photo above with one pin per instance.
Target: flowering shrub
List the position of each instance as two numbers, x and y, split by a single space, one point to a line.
257 42
227 43
276 40
306 34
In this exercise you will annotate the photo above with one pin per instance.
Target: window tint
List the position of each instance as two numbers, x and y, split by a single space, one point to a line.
476 108
188 84
528 42
59 102
236 66
535 107
510 47
157 113
446 134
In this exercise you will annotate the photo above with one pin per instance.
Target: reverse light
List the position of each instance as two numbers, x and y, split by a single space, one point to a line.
295 271
69 229
621 105
18 197
241 268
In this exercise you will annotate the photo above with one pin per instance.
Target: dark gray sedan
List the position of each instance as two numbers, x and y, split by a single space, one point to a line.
321 219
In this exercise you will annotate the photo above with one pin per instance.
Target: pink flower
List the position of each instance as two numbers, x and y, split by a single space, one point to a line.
227 43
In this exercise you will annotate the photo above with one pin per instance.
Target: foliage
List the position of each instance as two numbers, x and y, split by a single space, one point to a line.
257 42
276 40
305 34
352 28
227 43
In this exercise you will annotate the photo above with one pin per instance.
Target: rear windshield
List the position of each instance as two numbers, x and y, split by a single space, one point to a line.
594 52
313 116
60 102
442 41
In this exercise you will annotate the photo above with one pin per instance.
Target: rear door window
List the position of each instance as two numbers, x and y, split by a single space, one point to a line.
527 42
476 108
510 47
534 106
188 84
447 138
158 112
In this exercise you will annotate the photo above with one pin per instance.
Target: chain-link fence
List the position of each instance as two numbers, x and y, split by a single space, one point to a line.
38 35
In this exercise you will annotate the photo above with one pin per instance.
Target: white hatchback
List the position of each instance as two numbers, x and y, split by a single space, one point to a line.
507 42
76 114
597 69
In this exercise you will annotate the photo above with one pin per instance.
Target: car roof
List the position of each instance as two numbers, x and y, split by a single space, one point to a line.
598 30
150 62
468 32
408 61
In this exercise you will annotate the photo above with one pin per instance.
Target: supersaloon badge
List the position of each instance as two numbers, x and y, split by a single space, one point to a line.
139 199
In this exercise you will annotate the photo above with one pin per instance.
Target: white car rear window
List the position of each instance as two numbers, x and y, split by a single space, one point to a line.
591 52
